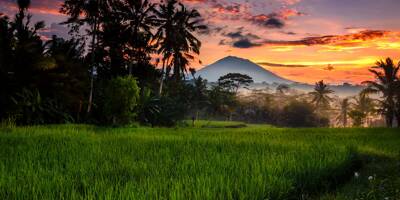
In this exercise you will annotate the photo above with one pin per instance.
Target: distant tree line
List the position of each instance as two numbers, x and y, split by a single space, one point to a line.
320 108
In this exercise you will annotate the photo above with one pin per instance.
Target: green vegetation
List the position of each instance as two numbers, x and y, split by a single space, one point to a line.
122 98
256 162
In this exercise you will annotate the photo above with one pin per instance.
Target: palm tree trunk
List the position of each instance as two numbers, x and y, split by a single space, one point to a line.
389 120
89 108
162 79
397 116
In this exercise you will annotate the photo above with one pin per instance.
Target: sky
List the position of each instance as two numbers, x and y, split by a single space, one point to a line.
302 40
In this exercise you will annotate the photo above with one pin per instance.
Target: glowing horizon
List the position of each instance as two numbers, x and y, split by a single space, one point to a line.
301 40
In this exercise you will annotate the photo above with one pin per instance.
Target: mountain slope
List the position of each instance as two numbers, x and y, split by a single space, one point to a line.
232 64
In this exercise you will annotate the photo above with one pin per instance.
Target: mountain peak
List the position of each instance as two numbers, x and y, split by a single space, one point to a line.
233 58
233 64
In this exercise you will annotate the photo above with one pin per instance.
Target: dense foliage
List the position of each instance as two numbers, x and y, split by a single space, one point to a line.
122 97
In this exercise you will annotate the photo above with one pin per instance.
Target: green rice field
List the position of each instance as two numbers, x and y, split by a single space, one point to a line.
208 161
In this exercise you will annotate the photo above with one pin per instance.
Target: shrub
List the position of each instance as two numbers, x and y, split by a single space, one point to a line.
301 114
30 108
149 108
121 99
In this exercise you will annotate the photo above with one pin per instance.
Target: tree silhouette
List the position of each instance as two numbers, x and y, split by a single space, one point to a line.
23 4
320 95
363 107
233 81
282 89
138 21
175 37
344 112
85 12
386 74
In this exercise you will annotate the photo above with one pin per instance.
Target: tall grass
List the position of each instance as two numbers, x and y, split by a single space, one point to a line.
257 162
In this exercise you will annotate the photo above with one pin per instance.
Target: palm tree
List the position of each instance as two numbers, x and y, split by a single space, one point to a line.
138 20
386 77
85 12
363 107
175 38
320 95
23 4
164 35
344 112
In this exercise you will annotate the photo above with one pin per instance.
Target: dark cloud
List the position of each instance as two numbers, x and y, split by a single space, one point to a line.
245 43
289 33
234 35
239 39
274 19
329 67
240 35
274 23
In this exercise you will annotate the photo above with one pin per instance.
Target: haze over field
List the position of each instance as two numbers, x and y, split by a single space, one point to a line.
264 78
300 40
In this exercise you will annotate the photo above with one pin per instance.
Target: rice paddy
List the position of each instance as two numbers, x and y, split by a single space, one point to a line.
201 162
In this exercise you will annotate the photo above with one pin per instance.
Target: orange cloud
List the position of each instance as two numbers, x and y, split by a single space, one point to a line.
340 40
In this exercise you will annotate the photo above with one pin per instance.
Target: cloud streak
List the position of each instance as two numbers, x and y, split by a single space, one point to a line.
335 42
344 40
281 65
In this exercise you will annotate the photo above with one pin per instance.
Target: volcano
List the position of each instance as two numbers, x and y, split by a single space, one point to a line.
233 64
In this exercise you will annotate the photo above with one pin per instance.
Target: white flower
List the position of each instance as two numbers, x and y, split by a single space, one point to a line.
356 174
386 198
370 177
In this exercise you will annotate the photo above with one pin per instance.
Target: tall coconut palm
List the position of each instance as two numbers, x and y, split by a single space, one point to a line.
386 75
138 19
344 112
23 4
320 95
85 12
175 37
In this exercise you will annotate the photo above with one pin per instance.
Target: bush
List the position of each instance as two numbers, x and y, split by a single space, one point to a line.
149 108
121 99
30 108
301 114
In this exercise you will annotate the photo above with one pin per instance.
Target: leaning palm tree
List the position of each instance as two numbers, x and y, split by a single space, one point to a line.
175 37
320 95
342 118
386 73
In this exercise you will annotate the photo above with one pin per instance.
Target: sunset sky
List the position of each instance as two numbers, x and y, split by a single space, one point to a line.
302 40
